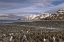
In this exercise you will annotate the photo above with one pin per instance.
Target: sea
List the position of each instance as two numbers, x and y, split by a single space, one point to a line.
12 21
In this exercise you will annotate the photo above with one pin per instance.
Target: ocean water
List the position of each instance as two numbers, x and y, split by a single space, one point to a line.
11 21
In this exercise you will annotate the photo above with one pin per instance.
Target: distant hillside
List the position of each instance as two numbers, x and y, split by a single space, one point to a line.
59 15
36 17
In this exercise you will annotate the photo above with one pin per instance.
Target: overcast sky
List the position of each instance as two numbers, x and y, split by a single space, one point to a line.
22 7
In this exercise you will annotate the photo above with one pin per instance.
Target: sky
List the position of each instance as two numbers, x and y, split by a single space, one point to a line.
27 7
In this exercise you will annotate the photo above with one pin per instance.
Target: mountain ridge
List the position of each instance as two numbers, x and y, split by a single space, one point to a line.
58 15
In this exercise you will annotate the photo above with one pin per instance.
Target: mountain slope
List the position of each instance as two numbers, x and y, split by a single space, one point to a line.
36 17
59 15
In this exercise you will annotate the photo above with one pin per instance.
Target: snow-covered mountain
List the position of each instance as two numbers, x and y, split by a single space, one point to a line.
59 15
36 17
30 17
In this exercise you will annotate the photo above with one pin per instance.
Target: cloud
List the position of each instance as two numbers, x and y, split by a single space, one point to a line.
8 5
15 1
55 8
9 17
22 3
18 6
